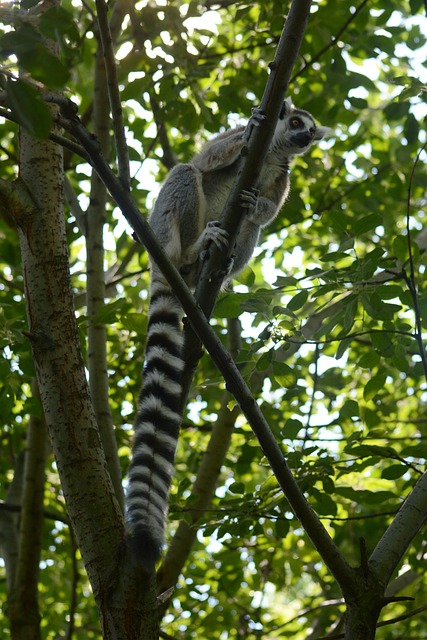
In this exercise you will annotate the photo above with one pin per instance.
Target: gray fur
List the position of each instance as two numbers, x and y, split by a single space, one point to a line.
184 218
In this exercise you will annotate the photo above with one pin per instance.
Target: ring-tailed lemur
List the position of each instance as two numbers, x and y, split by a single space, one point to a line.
184 218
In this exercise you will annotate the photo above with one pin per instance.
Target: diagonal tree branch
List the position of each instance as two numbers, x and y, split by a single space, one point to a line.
333 41
413 513
259 140
207 291
235 383
400 533
113 93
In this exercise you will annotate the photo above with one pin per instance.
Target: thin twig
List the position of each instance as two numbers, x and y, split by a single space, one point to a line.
54 137
75 208
383 623
330 44
168 158
74 587
411 280
113 93
312 394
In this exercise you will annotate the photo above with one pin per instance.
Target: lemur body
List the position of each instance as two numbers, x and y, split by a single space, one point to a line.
184 219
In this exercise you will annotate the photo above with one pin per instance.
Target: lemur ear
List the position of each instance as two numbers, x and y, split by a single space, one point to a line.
287 107
322 132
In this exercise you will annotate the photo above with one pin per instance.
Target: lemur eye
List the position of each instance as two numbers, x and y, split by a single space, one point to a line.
295 123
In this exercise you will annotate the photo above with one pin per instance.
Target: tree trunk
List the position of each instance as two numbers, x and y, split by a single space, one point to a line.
23 606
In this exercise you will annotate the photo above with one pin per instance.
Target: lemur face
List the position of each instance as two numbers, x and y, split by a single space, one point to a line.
296 130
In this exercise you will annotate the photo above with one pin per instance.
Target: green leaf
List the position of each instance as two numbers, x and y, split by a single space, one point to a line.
237 488
229 306
370 263
292 428
373 386
298 300
378 497
367 223
376 308
7 402
400 248
328 484
342 348
350 313
28 108
350 409
335 256
394 471
369 360
134 322
400 359
45 67
264 361
27 44
372 418
389 291
416 451
364 450
23 40
422 303
284 375
281 527
283 282
57 22
411 129
383 343
325 505
350 494
111 312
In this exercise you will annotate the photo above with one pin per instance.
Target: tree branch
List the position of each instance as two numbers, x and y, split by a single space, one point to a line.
9 519
74 205
168 158
15 200
411 280
113 93
400 533
333 41
23 601
202 493
95 277
259 138
87 487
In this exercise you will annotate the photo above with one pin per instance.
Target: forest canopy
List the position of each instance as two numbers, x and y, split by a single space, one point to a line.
327 324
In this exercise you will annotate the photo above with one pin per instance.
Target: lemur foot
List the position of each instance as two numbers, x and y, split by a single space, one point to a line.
222 274
257 116
215 233
249 200
228 267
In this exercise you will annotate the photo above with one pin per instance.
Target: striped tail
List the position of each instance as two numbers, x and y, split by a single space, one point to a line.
156 426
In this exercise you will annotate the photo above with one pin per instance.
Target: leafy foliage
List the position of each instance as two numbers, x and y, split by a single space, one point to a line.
333 308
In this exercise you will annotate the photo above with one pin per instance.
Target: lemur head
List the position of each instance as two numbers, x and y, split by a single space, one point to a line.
296 130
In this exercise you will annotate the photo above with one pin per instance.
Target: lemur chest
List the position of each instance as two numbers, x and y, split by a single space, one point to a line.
217 185
272 173
216 188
